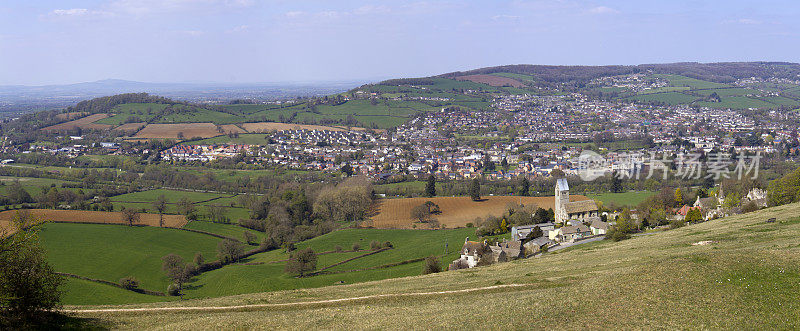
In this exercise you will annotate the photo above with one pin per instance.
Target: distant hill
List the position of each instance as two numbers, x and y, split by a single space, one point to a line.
722 72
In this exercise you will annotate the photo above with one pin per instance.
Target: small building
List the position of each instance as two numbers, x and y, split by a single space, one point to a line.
471 254
598 227
570 233
521 232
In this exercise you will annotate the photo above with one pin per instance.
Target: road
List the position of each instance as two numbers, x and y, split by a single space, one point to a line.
565 245
292 304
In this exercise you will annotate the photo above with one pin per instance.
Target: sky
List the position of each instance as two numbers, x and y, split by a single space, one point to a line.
244 41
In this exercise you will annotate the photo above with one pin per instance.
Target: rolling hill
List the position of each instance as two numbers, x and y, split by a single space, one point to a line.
700 276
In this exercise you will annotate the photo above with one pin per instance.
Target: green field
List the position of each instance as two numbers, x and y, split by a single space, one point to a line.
409 244
172 196
625 199
110 252
671 98
244 138
660 281
228 230
677 80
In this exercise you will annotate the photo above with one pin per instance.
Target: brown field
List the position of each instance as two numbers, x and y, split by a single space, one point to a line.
130 127
72 115
232 128
274 126
102 217
190 130
86 123
456 211
492 80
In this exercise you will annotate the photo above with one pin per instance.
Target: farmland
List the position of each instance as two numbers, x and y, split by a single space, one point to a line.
660 280
85 123
492 80
174 131
111 252
455 211
625 199
88 216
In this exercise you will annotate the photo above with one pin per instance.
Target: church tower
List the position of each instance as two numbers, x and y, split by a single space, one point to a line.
562 198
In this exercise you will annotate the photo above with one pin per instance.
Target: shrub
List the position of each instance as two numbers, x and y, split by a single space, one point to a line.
374 245
338 248
470 225
431 265
173 290
229 250
388 244
749 207
249 237
676 223
356 247
198 259
129 283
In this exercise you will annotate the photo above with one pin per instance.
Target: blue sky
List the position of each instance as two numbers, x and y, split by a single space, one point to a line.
66 41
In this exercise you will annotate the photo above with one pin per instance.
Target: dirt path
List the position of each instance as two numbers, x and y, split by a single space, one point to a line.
289 304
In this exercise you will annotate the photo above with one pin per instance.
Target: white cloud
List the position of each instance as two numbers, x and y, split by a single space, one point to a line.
603 10
77 13
748 21
292 14
371 10
505 17
241 28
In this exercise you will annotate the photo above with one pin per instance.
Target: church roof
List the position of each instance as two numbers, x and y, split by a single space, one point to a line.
580 206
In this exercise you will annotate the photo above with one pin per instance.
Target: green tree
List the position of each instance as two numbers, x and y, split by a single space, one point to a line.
301 262
430 187
28 285
616 183
525 187
475 190
694 216
678 197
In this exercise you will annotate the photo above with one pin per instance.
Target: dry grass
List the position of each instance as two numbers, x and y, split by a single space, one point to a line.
170 131
651 282
456 211
130 127
86 123
87 216
228 128
492 80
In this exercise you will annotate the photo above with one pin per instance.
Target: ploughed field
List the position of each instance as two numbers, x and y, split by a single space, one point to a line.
455 211
89 216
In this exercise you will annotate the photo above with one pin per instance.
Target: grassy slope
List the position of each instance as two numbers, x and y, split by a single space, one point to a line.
746 280
110 252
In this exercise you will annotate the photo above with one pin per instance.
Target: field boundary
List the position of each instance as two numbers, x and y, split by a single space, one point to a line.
106 282
300 303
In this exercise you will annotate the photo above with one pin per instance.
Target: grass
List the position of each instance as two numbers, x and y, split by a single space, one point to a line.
228 230
627 199
671 98
409 244
657 281
110 252
172 196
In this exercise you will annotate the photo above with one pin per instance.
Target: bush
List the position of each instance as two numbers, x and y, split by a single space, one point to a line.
431 265
129 283
258 225
338 248
198 259
249 237
173 290
356 247
388 244
749 207
229 250
470 225
301 262
374 245
677 223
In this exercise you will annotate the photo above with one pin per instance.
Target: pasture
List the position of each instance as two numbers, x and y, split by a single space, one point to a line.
656 281
89 216
624 199
492 80
173 131
455 211
110 252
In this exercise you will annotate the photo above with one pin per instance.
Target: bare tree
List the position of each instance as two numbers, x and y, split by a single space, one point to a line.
301 262
229 250
130 216
160 205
